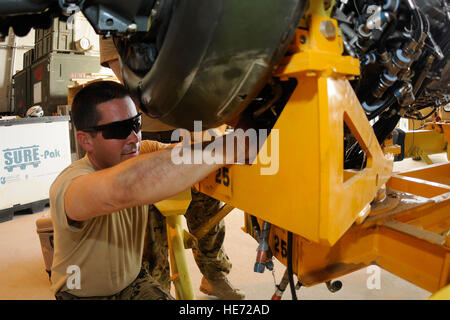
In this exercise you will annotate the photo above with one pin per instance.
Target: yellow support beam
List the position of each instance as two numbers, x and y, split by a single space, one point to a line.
406 234
311 194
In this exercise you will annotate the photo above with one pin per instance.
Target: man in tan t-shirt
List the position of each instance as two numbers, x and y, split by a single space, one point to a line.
210 255
99 204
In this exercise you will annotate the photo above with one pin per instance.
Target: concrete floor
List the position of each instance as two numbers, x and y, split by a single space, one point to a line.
22 273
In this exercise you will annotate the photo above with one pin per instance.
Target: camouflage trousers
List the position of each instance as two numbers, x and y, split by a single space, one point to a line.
153 282
210 256
144 287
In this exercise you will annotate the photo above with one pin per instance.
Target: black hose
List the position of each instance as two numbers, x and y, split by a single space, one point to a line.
256 230
382 128
374 108
255 224
289 265
422 117
385 104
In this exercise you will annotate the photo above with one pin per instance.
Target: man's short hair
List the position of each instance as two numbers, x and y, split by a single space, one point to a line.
84 106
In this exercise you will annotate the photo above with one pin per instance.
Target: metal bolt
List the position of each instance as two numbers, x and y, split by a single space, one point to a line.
302 39
327 29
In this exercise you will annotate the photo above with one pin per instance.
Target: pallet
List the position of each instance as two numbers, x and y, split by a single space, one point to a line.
36 206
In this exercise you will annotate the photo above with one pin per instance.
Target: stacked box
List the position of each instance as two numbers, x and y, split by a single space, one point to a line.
25 59
38 43
51 75
28 58
58 37
57 41
39 49
58 26
38 35
22 93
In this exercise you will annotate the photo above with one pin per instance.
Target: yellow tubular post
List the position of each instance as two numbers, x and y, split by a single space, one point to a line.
180 272
173 208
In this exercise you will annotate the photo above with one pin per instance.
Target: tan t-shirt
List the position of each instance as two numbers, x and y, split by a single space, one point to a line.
106 251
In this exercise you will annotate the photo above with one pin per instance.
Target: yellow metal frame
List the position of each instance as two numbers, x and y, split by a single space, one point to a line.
442 128
338 222
407 234
339 225
312 195
443 294
446 129
421 143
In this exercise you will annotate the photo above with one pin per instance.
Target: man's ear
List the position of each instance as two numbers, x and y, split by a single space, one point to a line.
85 140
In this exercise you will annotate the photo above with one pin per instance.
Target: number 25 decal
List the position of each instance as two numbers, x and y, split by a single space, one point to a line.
222 177
283 246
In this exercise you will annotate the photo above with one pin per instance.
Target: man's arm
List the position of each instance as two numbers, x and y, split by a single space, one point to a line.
145 179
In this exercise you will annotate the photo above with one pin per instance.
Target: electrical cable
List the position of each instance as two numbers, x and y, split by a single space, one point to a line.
421 117
289 263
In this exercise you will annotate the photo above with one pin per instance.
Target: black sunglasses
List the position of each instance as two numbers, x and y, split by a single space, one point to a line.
118 129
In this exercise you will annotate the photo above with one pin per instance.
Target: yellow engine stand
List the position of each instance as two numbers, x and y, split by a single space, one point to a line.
311 194
338 223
